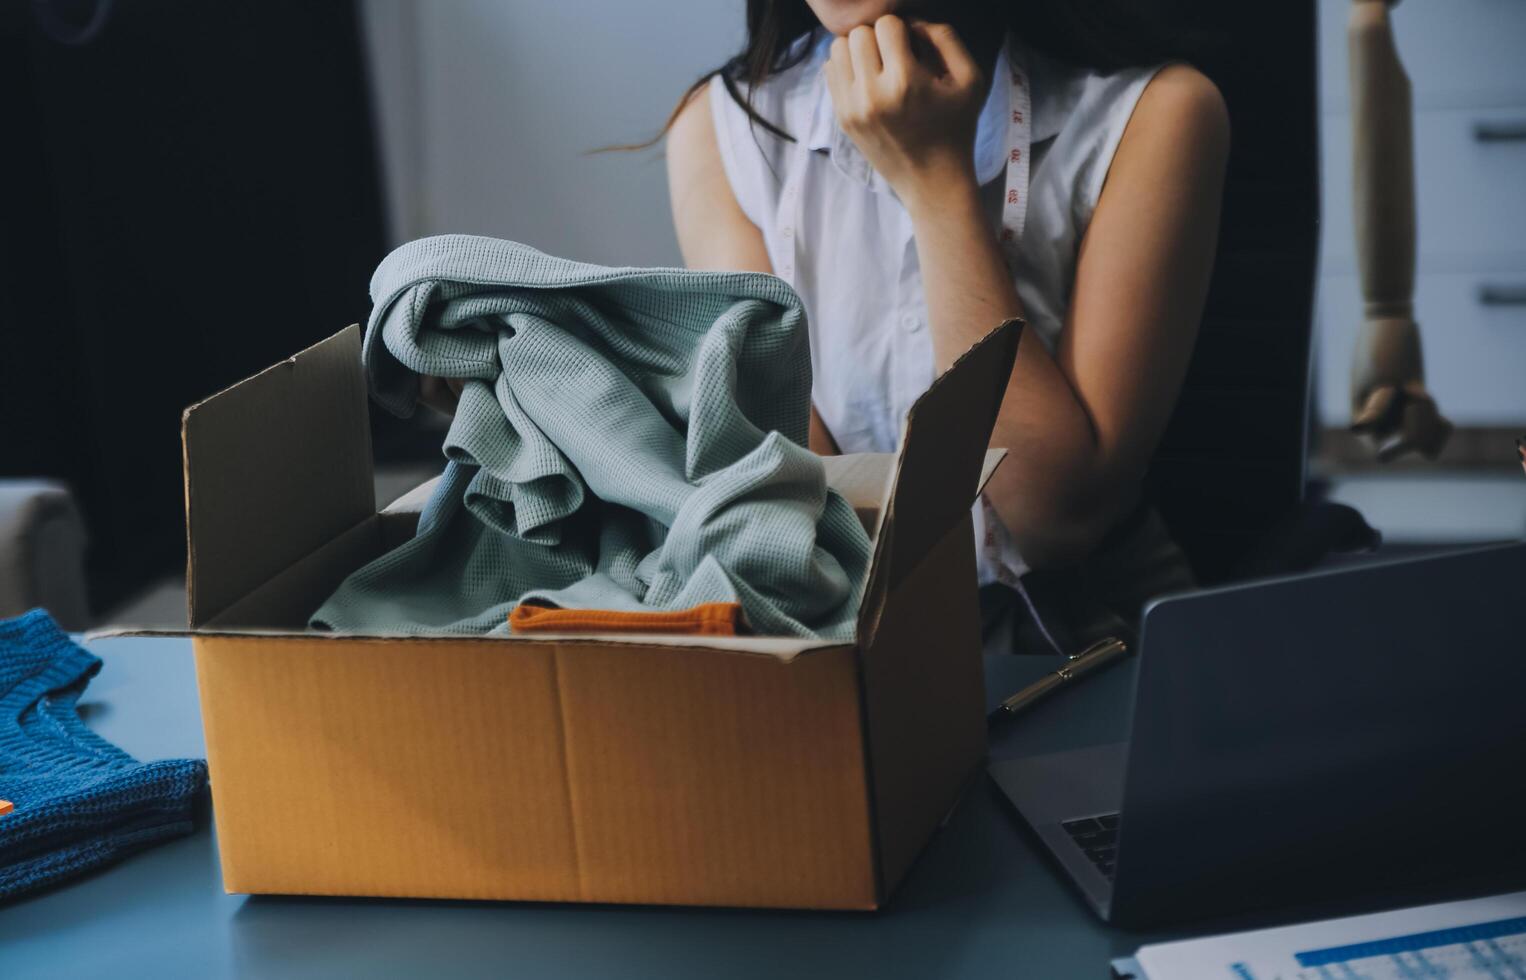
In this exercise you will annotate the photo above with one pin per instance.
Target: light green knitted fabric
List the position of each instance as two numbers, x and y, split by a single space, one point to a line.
626 439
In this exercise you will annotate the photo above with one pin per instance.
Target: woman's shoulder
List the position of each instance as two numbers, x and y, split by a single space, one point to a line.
1081 98
1172 93
1179 130
1174 102
1180 96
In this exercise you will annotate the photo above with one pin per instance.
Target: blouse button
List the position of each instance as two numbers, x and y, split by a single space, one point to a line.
911 323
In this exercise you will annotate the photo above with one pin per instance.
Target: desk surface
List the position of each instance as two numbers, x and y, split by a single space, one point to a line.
980 902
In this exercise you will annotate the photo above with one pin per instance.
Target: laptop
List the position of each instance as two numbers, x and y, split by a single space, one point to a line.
1348 732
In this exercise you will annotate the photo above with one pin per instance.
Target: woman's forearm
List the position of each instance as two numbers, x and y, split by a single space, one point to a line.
1050 492
969 288
1084 421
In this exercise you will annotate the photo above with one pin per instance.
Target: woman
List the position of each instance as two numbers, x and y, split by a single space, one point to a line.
919 183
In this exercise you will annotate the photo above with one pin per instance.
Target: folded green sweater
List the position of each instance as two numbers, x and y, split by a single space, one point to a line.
628 439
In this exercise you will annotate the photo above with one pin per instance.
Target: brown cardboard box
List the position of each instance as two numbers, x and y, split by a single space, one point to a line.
747 771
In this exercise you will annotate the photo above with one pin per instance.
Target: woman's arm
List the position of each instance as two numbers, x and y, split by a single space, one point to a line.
1082 422
713 232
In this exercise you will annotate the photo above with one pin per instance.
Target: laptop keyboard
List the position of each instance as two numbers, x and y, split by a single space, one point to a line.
1098 837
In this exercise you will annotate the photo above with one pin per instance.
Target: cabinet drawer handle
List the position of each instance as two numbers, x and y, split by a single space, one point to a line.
1501 294
1500 132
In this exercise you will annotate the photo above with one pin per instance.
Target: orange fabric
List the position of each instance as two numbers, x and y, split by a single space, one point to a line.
707 619
6 806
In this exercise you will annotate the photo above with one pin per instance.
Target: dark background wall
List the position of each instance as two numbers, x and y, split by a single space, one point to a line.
188 193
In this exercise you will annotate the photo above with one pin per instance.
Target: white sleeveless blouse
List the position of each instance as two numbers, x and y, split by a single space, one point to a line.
856 265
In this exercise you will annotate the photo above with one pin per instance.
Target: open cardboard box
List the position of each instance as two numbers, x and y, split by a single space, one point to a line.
748 771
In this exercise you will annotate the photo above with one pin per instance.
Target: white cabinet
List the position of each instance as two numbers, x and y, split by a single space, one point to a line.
1470 186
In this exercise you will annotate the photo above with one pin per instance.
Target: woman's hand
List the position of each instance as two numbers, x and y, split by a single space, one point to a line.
909 96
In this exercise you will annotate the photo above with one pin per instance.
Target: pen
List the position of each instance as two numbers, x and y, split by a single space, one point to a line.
1097 655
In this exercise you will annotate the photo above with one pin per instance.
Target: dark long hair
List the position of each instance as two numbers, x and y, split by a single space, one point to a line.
1102 35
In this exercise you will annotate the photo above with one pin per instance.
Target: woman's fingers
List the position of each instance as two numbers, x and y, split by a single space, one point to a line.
839 72
866 54
956 57
893 42
839 60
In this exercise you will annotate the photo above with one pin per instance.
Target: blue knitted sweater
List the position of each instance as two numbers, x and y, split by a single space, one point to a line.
80 802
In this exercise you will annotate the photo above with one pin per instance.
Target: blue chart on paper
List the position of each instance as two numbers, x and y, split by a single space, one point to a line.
1489 950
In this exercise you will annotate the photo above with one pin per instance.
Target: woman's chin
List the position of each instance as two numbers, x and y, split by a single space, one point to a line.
841 16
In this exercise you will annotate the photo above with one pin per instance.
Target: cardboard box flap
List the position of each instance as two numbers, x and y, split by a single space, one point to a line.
275 466
919 628
941 464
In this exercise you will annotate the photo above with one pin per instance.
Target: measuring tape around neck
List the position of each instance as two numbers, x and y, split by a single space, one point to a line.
1014 204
